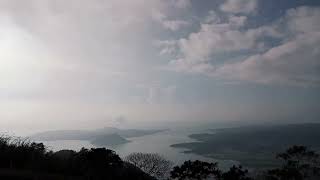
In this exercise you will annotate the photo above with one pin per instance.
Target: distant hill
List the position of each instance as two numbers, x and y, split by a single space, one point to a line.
253 146
104 136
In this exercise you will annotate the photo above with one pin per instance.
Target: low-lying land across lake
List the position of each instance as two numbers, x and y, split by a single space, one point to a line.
254 146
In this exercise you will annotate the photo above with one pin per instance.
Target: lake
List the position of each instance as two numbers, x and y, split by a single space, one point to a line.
155 143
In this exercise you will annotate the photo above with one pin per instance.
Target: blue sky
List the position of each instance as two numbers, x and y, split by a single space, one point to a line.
85 64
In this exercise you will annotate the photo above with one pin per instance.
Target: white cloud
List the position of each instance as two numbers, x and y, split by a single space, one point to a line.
214 38
197 50
182 3
168 47
212 17
239 6
237 21
294 61
173 25
303 20
60 42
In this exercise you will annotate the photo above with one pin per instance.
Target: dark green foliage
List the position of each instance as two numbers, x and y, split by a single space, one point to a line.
20 153
236 173
195 170
198 170
298 163
22 159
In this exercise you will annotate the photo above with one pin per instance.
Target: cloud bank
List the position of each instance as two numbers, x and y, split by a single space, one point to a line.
283 52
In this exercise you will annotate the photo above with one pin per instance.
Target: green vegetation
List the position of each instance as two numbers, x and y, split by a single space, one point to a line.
196 170
298 163
22 159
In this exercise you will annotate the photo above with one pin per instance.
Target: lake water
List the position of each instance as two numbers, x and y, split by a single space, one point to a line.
156 143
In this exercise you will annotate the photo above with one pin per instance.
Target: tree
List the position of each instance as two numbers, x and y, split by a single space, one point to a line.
151 163
236 173
22 157
299 163
197 170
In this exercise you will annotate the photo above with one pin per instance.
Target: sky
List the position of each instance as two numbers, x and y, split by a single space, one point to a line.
81 64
